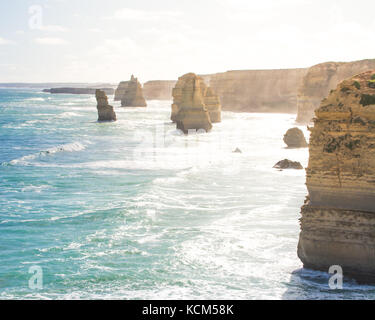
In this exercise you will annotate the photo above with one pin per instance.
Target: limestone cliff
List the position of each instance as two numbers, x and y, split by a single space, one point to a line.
210 100
213 105
159 89
257 90
338 218
133 94
105 111
322 78
190 110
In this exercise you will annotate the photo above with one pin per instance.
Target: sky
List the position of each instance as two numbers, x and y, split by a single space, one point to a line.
107 41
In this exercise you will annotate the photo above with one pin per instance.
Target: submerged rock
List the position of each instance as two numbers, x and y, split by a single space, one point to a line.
288 164
294 138
209 99
190 112
105 111
338 220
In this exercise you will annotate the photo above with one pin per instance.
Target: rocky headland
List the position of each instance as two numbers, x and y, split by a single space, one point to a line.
108 91
338 218
322 78
105 111
189 110
133 94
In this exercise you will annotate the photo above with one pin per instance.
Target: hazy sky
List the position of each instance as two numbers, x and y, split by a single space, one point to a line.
98 41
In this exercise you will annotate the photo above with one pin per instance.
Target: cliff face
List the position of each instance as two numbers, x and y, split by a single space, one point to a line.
338 220
159 89
191 112
105 111
258 90
133 94
322 78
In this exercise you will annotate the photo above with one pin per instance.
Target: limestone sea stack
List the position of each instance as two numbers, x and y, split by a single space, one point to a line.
338 218
210 100
294 138
120 91
188 109
133 95
105 111
320 79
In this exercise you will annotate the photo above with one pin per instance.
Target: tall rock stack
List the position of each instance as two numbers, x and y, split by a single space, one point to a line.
210 101
133 95
322 78
338 218
105 111
189 110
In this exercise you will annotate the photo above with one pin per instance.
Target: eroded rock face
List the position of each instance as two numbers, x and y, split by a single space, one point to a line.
337 224
105 111
294 138
188 109
288 164
210 100
133 94
322 78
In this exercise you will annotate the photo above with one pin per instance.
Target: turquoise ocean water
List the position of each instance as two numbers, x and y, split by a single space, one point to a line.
134 210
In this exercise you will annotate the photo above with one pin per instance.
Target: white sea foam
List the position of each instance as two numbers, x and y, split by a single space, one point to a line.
68 114
35 99
70 147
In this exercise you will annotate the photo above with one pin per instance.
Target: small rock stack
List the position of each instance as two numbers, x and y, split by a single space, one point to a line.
105 111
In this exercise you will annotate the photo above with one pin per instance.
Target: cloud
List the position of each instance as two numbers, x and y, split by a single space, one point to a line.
5 41
53 28
50 41
142 15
